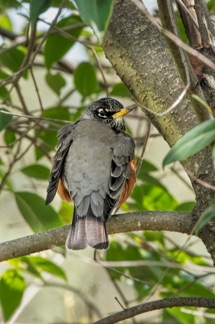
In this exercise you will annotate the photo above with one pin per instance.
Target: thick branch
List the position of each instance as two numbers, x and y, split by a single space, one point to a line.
157 304
167 16
149 220
138 52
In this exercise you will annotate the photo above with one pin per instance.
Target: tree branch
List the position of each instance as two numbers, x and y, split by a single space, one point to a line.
158 304
149 220
156 83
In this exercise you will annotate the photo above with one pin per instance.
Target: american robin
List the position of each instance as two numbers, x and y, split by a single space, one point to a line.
94 167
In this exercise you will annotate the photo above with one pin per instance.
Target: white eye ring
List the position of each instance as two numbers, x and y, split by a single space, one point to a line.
102 113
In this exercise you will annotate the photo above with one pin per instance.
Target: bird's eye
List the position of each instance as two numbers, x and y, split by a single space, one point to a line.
102 113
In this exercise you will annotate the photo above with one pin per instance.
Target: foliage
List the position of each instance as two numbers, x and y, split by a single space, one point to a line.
149 262
192 142
95 13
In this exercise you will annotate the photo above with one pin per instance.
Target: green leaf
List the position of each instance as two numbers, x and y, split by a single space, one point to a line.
202 102
66 212
154 236
5 21
95 13
181 28
4 119
213 154
42 264
85 79
179 316
146 167
4 94
210 5
38 216
12 287
120 90
12 59
197 290
192 142
36 171
36 265
208 214
23 264
9 136
53 54
38 7
186 206
55 81
150 197
147 178
8 4
185 257
60 113
3 75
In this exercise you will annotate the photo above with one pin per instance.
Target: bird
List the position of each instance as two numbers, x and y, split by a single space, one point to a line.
94 168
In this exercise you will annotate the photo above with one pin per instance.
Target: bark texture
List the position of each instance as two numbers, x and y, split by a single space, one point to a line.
140 56
148 220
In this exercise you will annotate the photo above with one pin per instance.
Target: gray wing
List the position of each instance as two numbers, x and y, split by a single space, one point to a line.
123 153
65 138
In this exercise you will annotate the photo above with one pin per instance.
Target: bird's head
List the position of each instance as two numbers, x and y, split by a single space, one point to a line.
108 111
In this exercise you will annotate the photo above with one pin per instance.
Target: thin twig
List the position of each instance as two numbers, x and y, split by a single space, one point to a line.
37 89
203 28
66 96
120 304
121 273
21 98
205 184
11 165
189 268
34 118
181 4
146 137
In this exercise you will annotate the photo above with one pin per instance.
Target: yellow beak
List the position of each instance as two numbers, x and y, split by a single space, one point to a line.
121 113
124 111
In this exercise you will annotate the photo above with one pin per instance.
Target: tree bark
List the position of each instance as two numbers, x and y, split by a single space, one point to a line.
157 304
140 56
148 220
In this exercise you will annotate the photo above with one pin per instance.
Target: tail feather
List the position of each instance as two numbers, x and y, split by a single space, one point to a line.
96 233
87 231
76 239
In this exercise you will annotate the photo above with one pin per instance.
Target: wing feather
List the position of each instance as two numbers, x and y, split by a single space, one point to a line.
123 154
65 139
